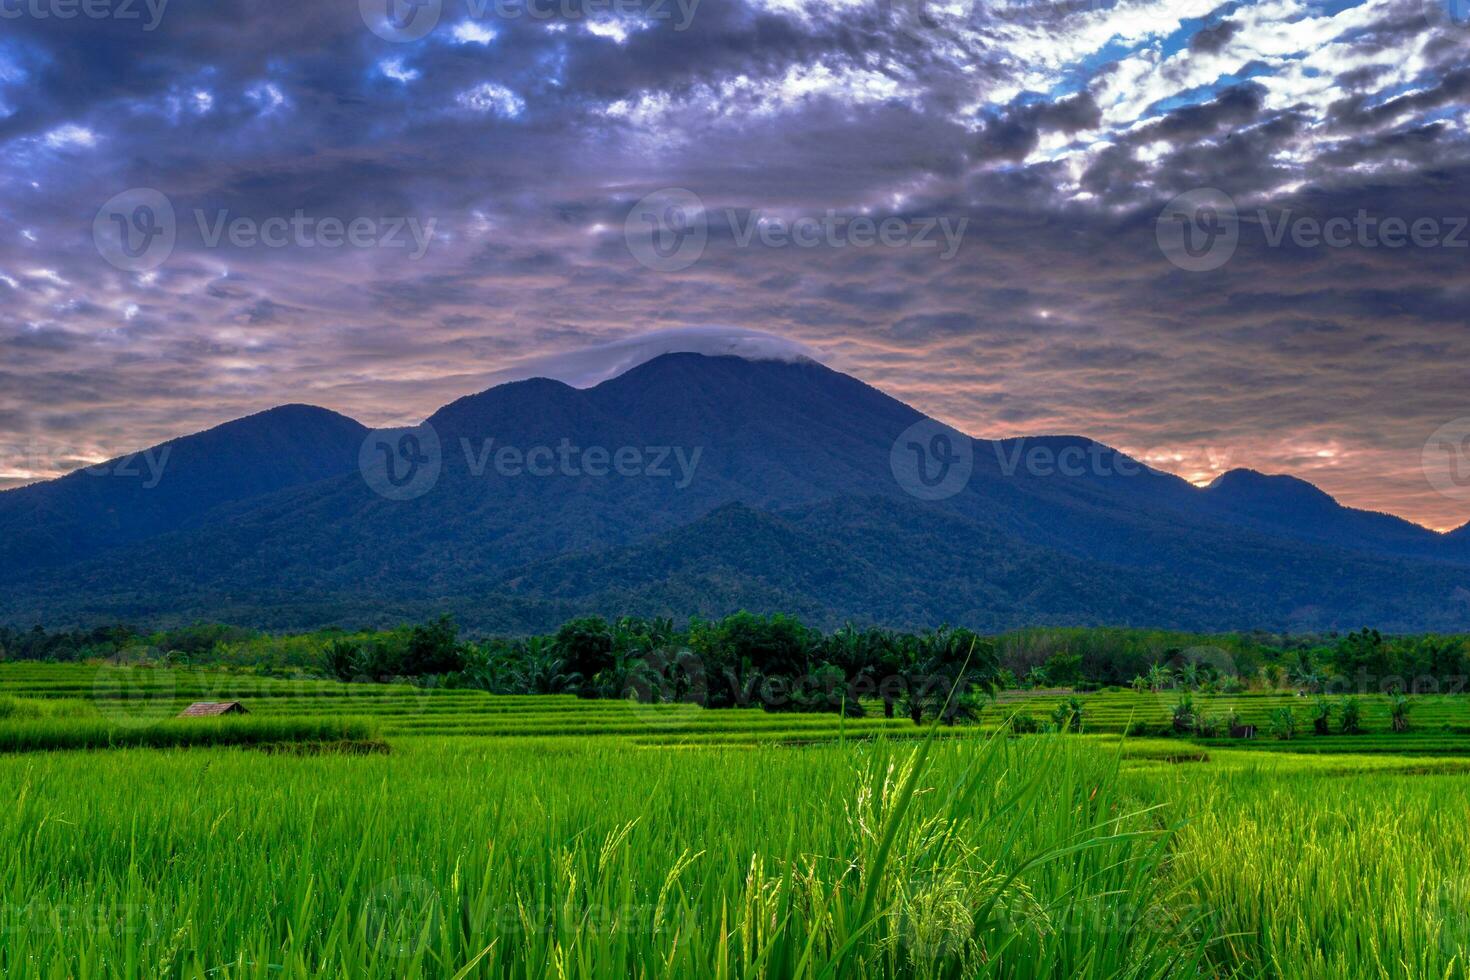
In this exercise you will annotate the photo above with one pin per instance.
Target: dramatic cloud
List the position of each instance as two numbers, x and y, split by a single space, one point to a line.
960 203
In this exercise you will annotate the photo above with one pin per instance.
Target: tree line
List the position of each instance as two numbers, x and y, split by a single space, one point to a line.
778 663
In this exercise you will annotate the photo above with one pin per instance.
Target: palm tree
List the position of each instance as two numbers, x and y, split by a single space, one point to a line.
1068 715
886 654
1189 676
542 672
1304 673
1159 677
1036 677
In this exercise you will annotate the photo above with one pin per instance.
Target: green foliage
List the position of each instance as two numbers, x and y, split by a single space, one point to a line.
50 734
1067 717
1064 669
780 663
17 708
1208 726
1185 715
584 646
1025 724
433 649
452 858
1322 716
1283 723
1398 712
1351 720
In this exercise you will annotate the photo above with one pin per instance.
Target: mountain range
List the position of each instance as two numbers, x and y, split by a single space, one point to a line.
698 485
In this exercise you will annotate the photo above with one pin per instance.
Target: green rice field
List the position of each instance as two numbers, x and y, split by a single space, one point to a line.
533 837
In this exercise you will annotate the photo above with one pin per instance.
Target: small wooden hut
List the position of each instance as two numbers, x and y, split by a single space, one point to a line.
209 709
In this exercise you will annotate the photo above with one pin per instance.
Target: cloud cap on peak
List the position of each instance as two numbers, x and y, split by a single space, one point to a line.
591 366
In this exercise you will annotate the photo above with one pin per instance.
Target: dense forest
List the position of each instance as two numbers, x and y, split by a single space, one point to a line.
779 663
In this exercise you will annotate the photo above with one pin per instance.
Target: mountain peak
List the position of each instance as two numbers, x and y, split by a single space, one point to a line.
290 414
1246 484
591 366
722 364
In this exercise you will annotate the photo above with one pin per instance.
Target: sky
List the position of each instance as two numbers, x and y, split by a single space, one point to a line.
1211 235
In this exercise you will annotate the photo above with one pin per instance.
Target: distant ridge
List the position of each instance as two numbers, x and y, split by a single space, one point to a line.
792 504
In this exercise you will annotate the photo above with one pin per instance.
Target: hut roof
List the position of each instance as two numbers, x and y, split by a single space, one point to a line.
204 709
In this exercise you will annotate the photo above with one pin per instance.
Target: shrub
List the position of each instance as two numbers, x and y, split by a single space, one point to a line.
1068 716
1065 669
1351 721
585 645
1398 712
1184 715
433 649
1025 724
1283 723
11 707
1207 726
1322 716
343 659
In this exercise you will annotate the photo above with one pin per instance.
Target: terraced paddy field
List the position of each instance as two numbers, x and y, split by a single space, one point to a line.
141 696
551 837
